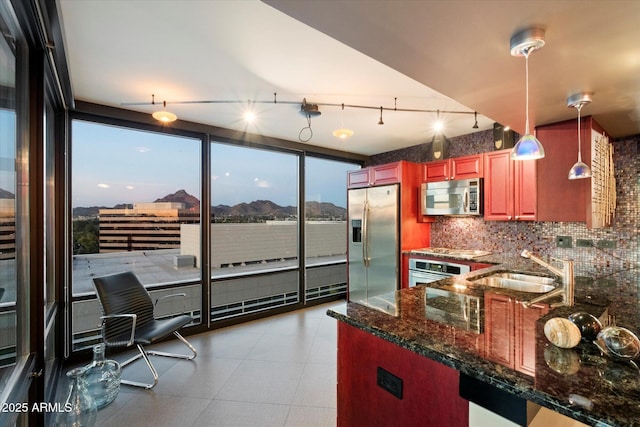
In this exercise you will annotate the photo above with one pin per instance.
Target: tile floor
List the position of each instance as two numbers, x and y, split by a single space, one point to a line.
278 371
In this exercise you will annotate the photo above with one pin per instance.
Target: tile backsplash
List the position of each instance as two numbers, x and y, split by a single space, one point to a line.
619 263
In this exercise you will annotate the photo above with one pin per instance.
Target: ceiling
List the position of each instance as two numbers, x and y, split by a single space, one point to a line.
426 55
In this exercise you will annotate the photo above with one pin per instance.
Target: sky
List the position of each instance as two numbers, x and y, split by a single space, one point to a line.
112 165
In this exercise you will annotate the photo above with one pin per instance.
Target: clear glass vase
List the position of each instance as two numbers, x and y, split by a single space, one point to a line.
79 408
103 377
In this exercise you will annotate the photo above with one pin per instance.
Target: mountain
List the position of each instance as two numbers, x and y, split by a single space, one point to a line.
325 210
190 202
256 209
266 208
4 194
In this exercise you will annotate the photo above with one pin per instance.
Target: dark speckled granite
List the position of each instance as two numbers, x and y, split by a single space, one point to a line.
610 389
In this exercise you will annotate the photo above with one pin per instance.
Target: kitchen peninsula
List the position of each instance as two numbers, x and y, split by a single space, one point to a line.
398 363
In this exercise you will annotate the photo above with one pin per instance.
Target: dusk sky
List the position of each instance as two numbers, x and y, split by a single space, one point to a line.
112 165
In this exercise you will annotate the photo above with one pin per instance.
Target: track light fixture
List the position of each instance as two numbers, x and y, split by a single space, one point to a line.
308 110
163 115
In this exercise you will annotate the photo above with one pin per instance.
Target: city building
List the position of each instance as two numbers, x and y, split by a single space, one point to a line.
146 226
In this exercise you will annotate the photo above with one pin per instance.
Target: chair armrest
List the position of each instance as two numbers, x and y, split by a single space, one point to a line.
133 317
182 294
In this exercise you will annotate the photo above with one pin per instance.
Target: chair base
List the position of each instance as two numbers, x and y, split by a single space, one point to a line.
144 354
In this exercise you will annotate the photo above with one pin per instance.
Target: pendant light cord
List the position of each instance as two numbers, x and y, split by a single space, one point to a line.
526 73
579 106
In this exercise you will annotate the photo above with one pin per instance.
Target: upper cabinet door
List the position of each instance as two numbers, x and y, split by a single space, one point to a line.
437 171
498 186
359 178
525 192
467 167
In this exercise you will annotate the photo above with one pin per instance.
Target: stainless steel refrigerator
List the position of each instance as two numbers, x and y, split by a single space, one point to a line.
374 228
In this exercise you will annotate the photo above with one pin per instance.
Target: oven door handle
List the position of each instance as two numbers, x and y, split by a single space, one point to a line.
465 200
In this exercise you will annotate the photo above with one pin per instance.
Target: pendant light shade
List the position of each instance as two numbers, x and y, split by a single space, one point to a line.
343 133
580 169
163 115
523 43
527 148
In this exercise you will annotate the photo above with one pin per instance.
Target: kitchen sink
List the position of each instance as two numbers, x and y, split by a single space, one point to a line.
518 282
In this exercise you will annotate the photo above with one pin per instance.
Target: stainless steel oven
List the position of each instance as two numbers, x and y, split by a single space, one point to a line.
427 271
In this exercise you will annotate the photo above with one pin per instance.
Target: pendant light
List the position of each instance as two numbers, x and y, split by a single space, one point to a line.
163 115
342 133
579 170
524 43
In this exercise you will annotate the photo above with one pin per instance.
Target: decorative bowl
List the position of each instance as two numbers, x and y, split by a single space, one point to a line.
588 324
618 342
562 332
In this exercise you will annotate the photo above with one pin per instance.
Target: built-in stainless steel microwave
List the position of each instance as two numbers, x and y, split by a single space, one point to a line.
457 197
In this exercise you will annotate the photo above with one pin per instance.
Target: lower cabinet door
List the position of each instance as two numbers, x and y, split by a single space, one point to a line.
382 384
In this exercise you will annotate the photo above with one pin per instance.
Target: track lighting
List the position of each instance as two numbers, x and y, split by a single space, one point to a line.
524 43
308 110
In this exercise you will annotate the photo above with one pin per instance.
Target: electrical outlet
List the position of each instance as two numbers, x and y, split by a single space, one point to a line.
607 244
564 241
584 243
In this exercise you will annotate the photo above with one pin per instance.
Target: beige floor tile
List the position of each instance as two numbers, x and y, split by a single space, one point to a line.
278 371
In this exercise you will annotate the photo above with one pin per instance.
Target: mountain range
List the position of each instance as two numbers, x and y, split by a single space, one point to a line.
257 208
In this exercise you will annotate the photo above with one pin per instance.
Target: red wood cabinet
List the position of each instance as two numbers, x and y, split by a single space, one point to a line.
510 190
525 336
571 201
429 389
510 332
390 173
498 328
456 168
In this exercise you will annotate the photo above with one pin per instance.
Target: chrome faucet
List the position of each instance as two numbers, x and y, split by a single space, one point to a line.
568 281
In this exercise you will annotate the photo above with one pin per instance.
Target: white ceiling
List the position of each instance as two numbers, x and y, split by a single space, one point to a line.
434 55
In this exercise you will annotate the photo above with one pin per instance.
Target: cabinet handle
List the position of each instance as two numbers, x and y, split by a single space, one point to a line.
509 217
517 217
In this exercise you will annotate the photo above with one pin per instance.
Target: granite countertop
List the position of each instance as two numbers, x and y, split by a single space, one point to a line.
580 382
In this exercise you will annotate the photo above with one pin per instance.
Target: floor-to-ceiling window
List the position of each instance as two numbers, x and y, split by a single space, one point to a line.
17 348
135 207
254 230
8 191
325 226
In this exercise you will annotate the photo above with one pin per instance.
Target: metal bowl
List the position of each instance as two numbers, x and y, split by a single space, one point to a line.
618 343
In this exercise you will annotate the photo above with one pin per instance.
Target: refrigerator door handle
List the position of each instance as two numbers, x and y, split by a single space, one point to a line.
365 234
